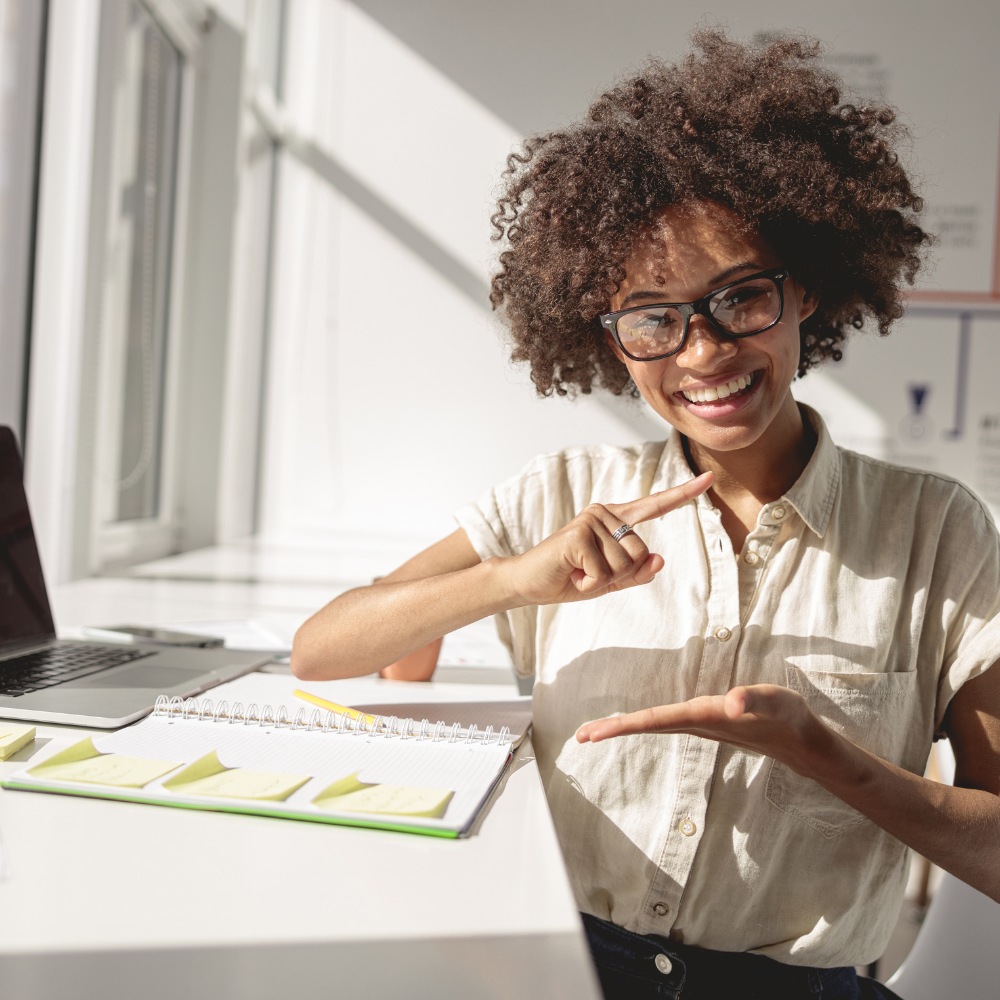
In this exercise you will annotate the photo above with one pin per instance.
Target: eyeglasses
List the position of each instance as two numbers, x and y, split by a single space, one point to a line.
741 309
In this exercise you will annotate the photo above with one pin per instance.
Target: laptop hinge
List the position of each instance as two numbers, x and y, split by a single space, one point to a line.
11 649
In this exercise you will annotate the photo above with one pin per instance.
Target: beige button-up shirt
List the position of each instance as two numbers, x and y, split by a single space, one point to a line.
872 590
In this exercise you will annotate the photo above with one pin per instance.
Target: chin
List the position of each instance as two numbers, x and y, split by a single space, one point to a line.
732 439
730 436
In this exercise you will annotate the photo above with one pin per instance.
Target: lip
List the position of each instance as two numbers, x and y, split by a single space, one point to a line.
721 380
720 407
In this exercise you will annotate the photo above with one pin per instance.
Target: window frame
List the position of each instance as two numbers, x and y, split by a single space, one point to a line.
107 546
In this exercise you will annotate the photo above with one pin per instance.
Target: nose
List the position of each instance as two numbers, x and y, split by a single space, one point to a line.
705 348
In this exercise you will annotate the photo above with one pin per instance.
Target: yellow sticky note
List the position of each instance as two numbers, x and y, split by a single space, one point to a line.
13 737
83 762
391 800
344 787
208 776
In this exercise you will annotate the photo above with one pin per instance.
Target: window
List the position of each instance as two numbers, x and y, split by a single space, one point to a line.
134 348
22 39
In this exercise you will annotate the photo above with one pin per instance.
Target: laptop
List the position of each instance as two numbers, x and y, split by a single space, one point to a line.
45 679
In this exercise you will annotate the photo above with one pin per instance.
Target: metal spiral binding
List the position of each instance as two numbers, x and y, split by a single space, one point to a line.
337 723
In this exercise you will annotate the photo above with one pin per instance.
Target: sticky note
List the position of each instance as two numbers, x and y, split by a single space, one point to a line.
208 776
83 762
13 737
351 795
344 787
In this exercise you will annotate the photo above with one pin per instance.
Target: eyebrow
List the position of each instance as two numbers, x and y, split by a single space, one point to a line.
714 282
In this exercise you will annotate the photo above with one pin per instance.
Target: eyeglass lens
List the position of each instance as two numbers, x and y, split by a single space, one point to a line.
743 309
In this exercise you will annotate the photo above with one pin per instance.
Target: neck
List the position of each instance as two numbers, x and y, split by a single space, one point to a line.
763 471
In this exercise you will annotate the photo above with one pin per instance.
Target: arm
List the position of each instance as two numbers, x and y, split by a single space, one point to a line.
958 828
449 555
396 618
418 666
446 587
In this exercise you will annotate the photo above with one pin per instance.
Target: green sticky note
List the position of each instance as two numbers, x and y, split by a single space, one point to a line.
83 762
13 737
351 795
208 776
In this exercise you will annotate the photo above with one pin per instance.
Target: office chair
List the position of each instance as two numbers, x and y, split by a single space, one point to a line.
957 952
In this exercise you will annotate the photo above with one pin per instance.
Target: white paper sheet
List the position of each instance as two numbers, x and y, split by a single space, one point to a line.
466 768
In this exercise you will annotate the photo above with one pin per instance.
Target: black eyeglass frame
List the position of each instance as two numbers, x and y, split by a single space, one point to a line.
700 308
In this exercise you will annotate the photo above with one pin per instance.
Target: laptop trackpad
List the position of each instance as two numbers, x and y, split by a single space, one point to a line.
142 676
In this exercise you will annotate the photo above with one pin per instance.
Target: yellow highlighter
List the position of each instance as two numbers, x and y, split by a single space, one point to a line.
332 706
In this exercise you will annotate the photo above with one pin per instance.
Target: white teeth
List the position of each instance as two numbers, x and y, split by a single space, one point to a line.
720 391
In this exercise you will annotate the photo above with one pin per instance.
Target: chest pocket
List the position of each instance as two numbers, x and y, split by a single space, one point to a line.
873 711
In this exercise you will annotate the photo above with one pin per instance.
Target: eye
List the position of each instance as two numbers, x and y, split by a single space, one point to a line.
742 295
651 323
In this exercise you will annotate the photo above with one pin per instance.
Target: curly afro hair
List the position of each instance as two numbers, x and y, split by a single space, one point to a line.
757 129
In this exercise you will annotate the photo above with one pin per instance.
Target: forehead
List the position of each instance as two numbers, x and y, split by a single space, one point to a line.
687 244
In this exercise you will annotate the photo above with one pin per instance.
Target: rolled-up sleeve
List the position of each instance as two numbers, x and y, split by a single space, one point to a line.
482 523
972 558
486 530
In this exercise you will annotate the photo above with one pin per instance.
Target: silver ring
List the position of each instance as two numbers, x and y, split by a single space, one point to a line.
619 533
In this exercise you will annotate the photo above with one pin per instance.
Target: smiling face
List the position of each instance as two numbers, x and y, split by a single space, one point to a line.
721 392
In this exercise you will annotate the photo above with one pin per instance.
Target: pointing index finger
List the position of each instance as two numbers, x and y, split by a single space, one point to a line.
658 504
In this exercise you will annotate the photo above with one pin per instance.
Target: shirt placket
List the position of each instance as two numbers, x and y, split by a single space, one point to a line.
697 756
755 556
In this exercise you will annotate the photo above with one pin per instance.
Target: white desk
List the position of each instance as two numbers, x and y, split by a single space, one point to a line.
110 899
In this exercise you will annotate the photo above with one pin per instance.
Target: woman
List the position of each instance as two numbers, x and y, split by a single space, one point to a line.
768 630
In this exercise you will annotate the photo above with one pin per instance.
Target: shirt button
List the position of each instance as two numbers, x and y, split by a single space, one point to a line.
661 909
687 827
778 513
663 964
751 558
722 634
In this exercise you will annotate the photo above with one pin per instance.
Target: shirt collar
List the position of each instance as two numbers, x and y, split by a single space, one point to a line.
813 493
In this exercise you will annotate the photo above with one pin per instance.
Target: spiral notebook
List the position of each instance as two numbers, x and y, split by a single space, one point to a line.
390 773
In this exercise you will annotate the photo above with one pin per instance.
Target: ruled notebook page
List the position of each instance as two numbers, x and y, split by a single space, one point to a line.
468 769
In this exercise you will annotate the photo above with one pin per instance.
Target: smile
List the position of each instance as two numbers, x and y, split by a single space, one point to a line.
736 387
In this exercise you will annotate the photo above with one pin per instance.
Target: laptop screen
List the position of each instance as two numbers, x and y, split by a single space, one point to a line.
24 605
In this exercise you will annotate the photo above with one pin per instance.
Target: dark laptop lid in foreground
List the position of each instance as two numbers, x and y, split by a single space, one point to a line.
25 615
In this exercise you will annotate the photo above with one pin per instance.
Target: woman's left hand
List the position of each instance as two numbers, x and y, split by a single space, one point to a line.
766 718
958 827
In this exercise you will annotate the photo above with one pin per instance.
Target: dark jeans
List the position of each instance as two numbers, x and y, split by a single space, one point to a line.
633 967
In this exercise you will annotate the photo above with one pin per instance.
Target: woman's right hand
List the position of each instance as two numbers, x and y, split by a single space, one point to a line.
446 587
582 560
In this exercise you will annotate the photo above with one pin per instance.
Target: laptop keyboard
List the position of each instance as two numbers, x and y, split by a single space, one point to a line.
65 662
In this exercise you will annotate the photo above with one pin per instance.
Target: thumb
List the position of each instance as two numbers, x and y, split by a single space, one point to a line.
762 700
738 701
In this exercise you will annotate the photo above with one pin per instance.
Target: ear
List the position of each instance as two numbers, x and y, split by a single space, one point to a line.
809 304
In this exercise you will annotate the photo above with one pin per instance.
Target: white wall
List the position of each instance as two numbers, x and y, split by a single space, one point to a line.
390 402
